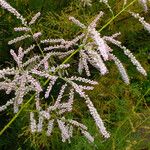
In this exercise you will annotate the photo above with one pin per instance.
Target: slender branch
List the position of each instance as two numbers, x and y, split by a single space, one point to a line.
113 18
36 42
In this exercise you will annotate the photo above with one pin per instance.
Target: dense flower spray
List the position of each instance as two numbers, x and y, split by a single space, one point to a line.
25 77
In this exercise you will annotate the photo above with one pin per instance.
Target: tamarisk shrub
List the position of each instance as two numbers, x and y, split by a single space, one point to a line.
32 69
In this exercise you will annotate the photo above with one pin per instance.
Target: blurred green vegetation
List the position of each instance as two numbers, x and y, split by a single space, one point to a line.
124 109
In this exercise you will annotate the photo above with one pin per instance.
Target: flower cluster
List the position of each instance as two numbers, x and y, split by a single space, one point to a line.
141 20
144 3
19 79
97 51
12 10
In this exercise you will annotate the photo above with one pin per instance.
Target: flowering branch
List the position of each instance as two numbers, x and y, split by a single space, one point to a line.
26 77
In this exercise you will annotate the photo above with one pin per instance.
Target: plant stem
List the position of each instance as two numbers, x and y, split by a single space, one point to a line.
14 118
113 18
37 43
